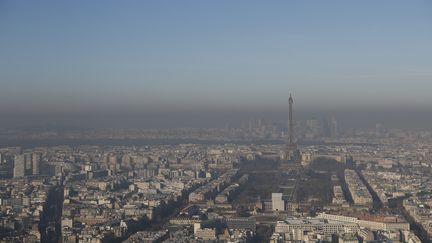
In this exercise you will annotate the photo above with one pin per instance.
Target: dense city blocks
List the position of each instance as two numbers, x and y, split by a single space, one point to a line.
228 121
339 187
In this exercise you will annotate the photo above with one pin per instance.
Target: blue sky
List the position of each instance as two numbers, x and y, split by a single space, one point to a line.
78 55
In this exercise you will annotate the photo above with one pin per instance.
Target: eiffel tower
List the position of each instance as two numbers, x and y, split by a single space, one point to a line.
291 153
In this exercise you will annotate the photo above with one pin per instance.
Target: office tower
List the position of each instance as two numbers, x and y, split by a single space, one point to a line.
19 166
314 128
278 204
35 159
325 125
334 132
5 168
28 164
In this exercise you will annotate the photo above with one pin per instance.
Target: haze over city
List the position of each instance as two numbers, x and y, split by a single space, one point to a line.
216 121
144 61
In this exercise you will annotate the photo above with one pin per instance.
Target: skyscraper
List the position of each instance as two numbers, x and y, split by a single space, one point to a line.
35 159
28 164
334 132
19 165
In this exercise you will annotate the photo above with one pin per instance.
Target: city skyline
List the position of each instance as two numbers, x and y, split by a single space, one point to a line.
215 121
212 118
70 57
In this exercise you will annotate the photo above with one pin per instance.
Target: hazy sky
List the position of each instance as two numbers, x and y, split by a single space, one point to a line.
174 55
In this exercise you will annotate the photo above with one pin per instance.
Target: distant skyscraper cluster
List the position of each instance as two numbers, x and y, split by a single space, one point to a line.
26 164
325 127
